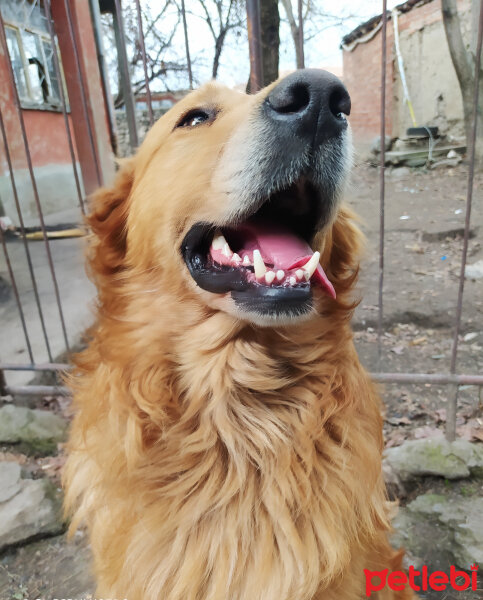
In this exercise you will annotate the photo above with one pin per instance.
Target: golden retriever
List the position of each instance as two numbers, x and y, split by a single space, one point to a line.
227 442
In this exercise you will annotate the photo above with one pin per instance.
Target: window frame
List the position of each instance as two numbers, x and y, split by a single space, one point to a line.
53 103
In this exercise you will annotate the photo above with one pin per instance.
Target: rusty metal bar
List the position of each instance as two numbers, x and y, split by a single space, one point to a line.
22 230
301 35
186 43
83 96
37 390
96 19
452 404
254 45
3 384
35 367
145 65
17 295
64 107
382 191
129 103
3 42
386 378
434 378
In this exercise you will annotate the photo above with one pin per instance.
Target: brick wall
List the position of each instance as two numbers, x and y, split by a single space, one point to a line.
143 125
431 78
362 76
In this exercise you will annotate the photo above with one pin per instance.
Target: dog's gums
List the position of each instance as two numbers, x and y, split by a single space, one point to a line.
265 261
267 255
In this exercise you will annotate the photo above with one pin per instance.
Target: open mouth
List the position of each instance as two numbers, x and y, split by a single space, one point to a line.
265 261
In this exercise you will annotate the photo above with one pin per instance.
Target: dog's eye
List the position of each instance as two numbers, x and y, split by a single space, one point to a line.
195 117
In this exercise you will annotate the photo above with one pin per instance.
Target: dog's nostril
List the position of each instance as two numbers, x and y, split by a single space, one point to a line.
339 102
290 99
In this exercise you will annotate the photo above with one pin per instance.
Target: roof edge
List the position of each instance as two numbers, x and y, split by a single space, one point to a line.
371 24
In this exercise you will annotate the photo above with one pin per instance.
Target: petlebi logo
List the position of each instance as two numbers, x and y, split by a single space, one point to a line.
421 580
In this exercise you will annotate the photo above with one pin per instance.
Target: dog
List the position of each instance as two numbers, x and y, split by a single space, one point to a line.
227 442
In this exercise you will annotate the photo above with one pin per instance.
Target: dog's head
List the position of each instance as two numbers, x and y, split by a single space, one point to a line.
236 199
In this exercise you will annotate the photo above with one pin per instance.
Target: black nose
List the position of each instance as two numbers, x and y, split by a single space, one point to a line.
312 102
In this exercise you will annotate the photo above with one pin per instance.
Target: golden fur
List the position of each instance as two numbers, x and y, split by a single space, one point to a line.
210 458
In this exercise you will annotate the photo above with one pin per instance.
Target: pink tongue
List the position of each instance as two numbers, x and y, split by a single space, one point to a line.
278 246
281 248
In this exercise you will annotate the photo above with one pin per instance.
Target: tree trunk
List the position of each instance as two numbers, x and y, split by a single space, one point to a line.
220 40
294 30
464 65
270 24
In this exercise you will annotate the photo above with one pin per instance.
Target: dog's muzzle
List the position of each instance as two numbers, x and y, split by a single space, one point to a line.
290 162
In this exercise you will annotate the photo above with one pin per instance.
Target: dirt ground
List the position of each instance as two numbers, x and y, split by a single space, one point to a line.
422 262
425 212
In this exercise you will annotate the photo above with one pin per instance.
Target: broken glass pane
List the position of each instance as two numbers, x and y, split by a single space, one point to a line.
16 60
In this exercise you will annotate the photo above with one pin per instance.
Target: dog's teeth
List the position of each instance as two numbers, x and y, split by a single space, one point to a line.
218 242
246 261
236 258
260 268
280 275
269 277
226 250
299 274
311 265
292 280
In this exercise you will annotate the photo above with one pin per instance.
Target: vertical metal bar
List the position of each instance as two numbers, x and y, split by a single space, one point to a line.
17 295
145 65
22 231
125 77
186 43
254 45
3 42
451 409
84 103
301 35
3 384
96 22
64 108
382 189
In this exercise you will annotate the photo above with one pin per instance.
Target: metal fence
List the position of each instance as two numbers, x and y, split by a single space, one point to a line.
451 378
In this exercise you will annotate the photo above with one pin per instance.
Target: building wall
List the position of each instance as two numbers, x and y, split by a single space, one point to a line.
431 78
430 75
47 138
46 131
49 152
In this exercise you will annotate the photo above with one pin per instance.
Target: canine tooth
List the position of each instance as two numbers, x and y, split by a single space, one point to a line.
226 250
292 280
236 258
218 242
311 265
246 260
280 275
260 268
269 277
300 274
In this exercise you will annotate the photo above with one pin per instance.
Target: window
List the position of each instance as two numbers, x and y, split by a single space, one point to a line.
31 53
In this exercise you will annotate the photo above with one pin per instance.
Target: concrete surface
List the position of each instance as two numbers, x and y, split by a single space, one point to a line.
75 290
56 186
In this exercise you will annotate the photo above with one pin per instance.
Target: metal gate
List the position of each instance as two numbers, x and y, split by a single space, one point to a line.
53 79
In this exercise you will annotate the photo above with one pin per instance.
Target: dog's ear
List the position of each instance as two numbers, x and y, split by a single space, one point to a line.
107 221
342 251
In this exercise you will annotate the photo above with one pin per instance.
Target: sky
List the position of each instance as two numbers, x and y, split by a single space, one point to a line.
321 50
335 19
